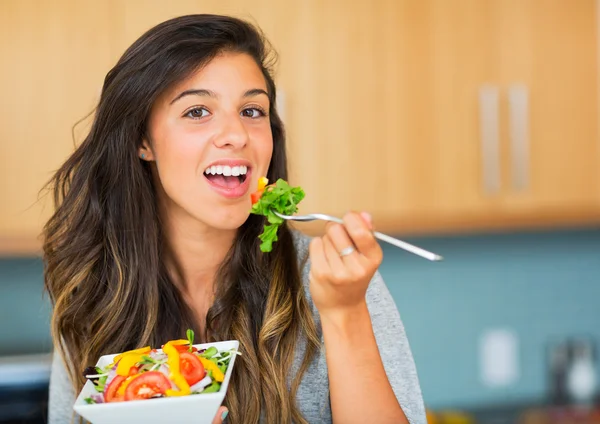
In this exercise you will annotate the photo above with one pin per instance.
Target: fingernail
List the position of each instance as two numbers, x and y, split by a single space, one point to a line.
224 414
367 217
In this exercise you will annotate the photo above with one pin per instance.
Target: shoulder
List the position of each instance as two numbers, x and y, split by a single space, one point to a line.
61 393
301 243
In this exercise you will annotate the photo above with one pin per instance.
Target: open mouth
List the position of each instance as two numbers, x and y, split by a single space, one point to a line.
228 177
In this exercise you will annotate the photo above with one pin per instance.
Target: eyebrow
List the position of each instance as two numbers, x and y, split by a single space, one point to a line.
255 92
208 93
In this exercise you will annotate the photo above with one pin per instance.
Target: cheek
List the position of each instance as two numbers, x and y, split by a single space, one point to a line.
181 144
267 151
263 143
178 154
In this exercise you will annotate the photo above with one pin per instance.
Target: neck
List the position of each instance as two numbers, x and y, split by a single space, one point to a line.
194 254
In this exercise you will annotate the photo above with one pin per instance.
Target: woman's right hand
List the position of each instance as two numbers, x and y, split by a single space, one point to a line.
221 414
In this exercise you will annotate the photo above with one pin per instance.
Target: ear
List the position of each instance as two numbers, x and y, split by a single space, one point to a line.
145 151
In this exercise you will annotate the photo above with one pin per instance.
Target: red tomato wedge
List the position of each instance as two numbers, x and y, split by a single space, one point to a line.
110 392
255 197
191 368
185 348
147 385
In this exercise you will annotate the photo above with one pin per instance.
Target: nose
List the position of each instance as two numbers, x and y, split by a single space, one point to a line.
233 133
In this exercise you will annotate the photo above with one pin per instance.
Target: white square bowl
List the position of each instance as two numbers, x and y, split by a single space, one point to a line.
197 409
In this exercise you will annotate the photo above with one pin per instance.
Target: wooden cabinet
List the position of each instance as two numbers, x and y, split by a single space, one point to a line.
549 56
54 58
434 115
450 115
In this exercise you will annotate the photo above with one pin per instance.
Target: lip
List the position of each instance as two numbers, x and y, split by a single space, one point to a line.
230 162
232 193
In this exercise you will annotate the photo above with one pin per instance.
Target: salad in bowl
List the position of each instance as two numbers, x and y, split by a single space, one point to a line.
179 381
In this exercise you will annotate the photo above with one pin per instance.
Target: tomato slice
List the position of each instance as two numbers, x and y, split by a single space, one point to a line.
147 385
255 197
191 368
110 392
185 348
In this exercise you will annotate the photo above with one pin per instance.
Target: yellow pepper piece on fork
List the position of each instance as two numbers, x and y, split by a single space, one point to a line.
262 183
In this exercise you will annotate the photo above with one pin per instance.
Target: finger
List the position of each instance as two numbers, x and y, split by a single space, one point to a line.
339 237
360 267
368 219
319 264
331 225
362 236
342 241
338 269
222 413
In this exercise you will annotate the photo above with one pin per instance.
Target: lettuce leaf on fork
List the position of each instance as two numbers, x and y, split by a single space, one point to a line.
279 197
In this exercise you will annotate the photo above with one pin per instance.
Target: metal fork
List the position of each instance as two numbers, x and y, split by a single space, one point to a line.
399 243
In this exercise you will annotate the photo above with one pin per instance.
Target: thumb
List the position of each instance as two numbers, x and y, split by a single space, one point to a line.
221 414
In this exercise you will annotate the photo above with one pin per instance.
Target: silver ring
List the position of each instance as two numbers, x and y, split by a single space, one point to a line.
347 251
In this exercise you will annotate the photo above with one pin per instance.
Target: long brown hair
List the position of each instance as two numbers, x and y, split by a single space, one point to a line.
103 246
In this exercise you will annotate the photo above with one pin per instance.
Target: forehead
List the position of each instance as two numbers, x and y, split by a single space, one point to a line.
226 74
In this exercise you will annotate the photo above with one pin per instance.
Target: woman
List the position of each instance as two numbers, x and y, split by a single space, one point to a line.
144 243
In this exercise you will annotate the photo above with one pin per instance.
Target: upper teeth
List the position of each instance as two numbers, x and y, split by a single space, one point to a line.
226 170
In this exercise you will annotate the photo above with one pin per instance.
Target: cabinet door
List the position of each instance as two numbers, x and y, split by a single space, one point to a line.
549 70
465 155
383 110
54 58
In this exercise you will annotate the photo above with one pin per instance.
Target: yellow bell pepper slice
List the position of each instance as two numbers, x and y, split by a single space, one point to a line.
142 350
262 183
129 359
178 379
179 342
216 372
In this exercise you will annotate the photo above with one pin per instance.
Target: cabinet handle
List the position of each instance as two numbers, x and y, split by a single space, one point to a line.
518 115
490 137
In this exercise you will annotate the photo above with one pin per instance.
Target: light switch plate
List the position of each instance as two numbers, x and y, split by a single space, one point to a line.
499 357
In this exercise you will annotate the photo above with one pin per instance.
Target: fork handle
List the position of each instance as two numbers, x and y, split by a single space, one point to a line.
398 243
407 246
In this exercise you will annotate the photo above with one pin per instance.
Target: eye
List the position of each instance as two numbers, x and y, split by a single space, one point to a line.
253 112
197 113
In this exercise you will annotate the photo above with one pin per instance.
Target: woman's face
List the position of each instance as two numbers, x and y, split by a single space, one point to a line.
211 141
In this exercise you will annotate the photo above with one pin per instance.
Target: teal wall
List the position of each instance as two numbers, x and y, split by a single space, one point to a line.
543 286
24 310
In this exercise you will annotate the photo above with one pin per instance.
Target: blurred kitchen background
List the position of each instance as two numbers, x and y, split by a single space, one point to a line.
468 127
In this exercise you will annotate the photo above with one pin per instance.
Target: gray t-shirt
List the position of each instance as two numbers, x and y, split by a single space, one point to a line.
313 393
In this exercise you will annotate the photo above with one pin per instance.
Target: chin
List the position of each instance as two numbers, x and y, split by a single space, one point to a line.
227 221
